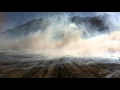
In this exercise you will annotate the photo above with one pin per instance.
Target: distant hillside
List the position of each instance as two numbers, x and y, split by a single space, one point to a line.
94 22
42 24
29 27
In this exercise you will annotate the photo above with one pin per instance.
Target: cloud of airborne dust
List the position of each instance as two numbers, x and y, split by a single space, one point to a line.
64 38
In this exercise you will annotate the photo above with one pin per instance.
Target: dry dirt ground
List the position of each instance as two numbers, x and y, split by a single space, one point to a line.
13 66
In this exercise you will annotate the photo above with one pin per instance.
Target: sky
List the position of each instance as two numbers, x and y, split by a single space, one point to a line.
21 17
13 19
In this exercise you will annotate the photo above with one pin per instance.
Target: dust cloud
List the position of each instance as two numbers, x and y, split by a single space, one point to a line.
64 38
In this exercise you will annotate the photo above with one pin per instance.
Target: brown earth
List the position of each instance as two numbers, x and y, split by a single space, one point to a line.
57 69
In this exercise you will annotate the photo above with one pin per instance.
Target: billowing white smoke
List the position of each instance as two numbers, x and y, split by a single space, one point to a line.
63 38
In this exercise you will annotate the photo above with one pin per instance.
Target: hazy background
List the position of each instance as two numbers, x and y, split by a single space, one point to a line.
22 17
12 19
71 44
